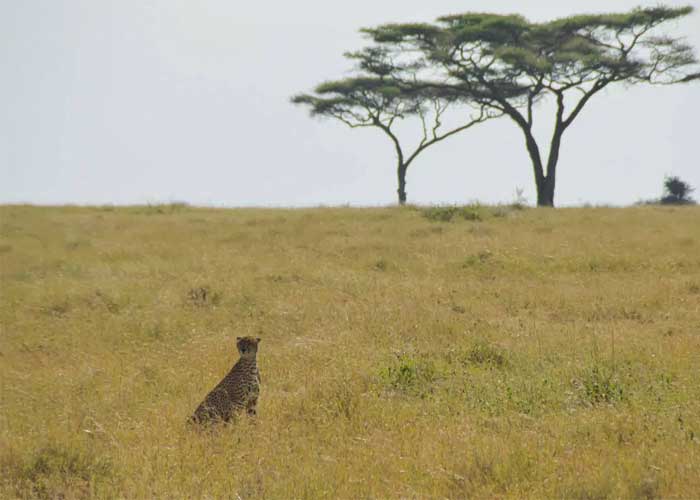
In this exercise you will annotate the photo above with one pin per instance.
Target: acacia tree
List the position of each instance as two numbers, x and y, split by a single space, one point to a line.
677 192
508 64
379 98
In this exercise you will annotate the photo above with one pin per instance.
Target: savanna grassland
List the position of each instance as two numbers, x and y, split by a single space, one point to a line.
407 352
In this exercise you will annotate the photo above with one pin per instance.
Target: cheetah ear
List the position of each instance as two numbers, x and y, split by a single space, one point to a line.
258 339
238 338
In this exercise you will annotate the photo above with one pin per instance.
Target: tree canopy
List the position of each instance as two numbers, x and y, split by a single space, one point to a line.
379 97
508 64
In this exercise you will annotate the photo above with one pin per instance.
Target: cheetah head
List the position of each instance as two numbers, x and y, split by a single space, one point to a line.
247 346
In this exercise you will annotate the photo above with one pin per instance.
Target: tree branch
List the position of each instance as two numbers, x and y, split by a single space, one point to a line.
483 116
597 87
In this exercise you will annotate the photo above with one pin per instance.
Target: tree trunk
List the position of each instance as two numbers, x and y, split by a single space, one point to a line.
545 192
552 161
401 172
545 181
545 188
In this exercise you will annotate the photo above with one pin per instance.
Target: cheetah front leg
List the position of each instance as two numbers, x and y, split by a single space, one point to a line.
252 407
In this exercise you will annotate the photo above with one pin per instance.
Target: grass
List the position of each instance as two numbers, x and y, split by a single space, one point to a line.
414 352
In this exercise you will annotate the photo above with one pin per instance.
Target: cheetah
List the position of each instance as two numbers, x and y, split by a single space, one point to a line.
238 390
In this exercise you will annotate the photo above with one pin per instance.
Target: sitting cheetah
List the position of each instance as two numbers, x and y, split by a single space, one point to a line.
237 391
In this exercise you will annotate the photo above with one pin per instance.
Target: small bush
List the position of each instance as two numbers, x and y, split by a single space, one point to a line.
676 192
75 244
477 259
381 265
646 489
520 201
439 214
59 309
101 299
409 375
163 208
486 354
597 387
447 213
470 213
202 296
284 278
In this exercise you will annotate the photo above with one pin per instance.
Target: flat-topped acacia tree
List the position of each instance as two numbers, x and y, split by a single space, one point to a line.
508 64
378 98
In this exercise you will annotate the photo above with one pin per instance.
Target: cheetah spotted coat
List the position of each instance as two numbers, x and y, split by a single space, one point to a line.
238 391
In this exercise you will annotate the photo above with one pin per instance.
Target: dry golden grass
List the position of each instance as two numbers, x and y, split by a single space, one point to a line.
502 354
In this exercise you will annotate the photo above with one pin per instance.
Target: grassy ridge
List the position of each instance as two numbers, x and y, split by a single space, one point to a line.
488 352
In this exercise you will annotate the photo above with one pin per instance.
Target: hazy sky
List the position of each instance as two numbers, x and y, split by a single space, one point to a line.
145 101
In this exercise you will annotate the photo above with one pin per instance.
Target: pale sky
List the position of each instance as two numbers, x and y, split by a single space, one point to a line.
148 101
